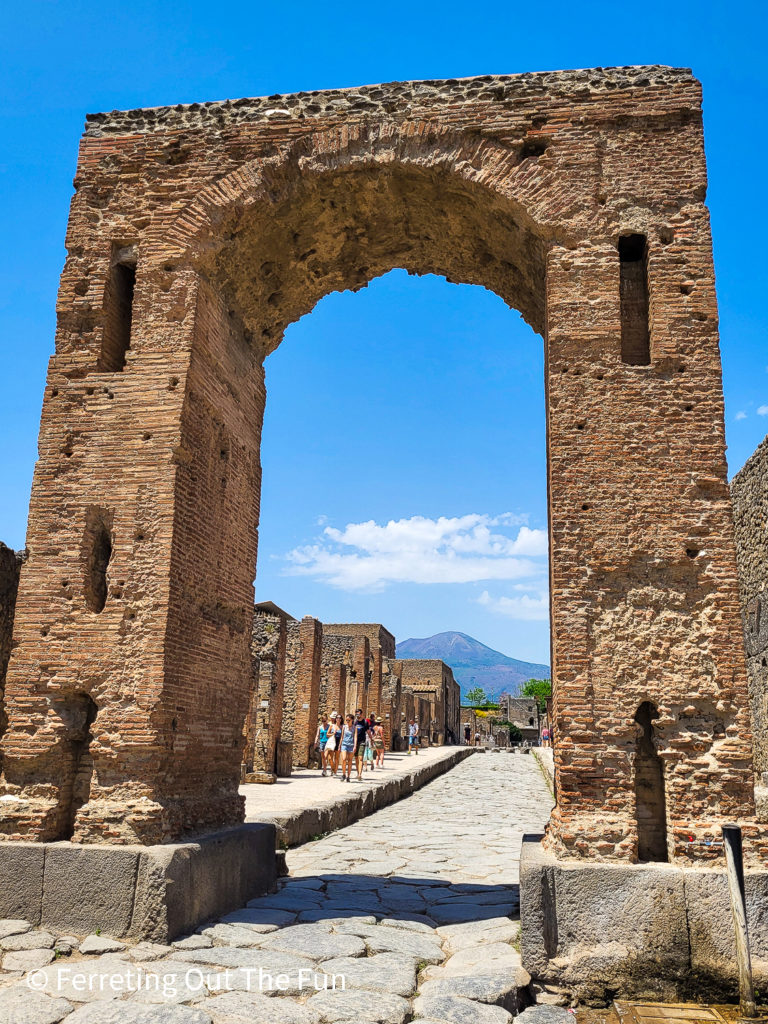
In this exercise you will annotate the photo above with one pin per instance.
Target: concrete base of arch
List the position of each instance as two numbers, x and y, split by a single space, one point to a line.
598 931
143 892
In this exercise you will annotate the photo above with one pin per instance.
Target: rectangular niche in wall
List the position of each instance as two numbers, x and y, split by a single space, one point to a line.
635 334
118 309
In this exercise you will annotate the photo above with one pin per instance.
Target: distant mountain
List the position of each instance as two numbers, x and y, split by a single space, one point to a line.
473 663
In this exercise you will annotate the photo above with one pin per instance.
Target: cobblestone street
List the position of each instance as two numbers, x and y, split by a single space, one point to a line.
414 907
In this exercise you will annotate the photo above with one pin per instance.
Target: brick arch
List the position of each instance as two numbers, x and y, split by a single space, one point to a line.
433 168
184 220
501 168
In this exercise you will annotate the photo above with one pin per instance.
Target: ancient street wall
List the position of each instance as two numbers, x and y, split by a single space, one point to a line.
749 491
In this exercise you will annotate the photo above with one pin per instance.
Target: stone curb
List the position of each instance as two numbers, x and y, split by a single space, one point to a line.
348 807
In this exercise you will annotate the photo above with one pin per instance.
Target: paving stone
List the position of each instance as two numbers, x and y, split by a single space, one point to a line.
386 972
490 956
507 933
469 927
22 1005
12 926
356 1005
263 920
502 988
406 943
146 952
98 944
230 935
311 940
304 899
255 1008
411 923
27 959
546 1015
457 913
456 1010
193 942
35 939
135 1013
302 883
336 913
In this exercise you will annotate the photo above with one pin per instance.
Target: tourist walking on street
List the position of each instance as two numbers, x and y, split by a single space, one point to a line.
413 737
334 742
347 748
321 740
361 731
378 744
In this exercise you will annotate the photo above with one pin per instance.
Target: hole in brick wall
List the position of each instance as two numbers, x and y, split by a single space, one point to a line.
78 714
97 552
118 311
650 799
533 148
635 335
692 552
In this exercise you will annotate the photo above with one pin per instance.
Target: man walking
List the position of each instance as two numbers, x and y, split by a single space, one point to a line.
413 737
361 731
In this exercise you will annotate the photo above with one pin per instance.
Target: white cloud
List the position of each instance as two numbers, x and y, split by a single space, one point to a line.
461 549
740 415
526 608
762 410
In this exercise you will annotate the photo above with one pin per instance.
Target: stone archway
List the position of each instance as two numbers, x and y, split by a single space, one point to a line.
577 197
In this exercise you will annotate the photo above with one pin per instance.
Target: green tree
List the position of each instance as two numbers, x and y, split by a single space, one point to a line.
476 696
540 689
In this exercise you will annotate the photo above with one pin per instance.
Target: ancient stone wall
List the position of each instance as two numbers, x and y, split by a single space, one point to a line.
302 687
377 634
336 662
10 567
749 490
269 637
196 235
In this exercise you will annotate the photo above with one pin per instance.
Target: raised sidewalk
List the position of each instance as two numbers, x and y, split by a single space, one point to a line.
307 805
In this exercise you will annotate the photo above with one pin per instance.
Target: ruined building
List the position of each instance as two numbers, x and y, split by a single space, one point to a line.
749 489
301 670
522 712
432 681
196 235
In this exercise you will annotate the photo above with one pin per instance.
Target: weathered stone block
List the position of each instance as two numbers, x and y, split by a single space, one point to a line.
638 930
21 880
181 884
89 887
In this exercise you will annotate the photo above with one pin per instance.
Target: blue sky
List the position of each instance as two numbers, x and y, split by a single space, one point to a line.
404 442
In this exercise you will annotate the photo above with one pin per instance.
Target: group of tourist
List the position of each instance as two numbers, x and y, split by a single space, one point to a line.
342 741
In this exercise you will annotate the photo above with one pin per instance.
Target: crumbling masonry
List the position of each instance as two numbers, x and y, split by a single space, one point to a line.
196 235
750 509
